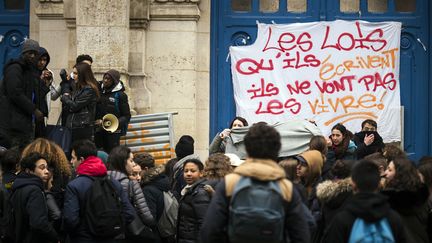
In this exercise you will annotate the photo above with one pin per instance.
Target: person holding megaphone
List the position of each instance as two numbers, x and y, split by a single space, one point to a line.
112 112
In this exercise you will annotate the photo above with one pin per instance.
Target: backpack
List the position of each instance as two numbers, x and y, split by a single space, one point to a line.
376 232
103 209
124 127
168 221
256 212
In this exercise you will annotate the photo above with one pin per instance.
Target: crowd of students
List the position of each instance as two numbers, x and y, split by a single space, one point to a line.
45 197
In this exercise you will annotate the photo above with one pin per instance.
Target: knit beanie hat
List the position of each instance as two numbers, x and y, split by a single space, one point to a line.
184 147
115 75
30 45
314 160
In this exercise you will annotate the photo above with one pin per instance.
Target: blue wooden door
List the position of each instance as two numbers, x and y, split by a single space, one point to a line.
234 23
14 28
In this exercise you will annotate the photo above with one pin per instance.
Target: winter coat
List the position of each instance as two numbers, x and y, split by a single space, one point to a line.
81 107
178 182
348 154
30 210
214 229
371 207
154 183
332 196
192 211
16 98
108 104
362 149
412 206
137 199
75 198
217 145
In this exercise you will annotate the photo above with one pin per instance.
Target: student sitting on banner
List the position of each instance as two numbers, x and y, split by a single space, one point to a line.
295 137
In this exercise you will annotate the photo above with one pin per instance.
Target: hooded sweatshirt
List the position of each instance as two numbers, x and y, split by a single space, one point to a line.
30 210
369 206
113 100
92 166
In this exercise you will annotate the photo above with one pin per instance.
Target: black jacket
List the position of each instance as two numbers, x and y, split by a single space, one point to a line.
371 207
16 97
30 210
412 206
154 183
333 196
362 149
192 211
41 89
81 107
114 101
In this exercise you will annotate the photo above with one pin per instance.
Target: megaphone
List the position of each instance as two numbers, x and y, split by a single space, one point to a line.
110 123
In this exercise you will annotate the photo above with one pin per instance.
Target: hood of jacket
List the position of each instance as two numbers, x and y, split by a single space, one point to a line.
92 166
261 169
405 201
152 174
114 88
24 179
44 52
334 193
117 175
19 61
369 206
156 177
179 164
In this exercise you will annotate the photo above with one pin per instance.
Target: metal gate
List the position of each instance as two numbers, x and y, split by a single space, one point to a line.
234 23
151 133
14 27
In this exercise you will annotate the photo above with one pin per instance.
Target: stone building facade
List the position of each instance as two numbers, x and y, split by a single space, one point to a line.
161 48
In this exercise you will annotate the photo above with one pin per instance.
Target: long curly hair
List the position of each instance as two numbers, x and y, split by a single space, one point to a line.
406 177
217 166
54 154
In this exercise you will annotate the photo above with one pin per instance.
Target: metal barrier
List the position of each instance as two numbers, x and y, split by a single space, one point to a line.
151 133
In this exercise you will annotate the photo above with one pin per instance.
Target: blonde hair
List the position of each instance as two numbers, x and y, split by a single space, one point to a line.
54 154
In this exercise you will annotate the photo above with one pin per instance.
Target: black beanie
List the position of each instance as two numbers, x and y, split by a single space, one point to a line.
184 147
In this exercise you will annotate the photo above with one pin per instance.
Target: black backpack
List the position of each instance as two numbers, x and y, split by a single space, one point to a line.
103 209
7 219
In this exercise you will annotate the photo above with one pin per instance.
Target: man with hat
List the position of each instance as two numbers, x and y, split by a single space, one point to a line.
113 100
17 109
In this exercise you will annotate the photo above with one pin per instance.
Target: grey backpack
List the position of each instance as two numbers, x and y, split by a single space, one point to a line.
168 221
256 212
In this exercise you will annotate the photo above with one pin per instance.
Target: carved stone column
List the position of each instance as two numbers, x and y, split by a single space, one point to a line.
102 29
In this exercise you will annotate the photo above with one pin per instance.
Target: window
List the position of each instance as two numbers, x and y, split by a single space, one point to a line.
297 6
405 5
269 6
349 6
14 4
377 6
241 5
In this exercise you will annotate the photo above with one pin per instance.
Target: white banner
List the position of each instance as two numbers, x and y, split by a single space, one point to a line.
330 72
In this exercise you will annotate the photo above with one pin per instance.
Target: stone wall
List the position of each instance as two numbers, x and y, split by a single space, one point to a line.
161 48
